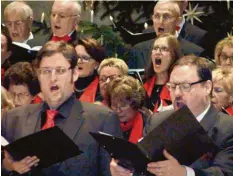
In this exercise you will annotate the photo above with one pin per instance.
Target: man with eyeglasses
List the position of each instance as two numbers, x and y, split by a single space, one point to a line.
190 84
166 18
56 67
64 17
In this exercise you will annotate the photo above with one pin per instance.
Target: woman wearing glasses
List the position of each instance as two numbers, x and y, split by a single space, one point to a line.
90 54
223 54
166 50
222 95
126 96
108 70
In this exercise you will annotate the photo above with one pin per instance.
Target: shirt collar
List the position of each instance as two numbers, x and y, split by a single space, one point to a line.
181 25
29 38
201 116
64 109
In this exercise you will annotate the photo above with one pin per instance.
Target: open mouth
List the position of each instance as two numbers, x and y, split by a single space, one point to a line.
158 61
80 68
57 27
161 29
54 88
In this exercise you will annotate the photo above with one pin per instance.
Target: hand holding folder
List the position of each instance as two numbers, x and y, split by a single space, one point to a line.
50 146
179 134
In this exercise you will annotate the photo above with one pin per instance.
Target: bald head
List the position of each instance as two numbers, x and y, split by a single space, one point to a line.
64 17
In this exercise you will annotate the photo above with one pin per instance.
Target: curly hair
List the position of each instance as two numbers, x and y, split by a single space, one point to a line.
126 88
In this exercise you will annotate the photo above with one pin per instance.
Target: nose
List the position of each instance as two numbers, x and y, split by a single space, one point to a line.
53 77
108 80
228 62
178 92
16 100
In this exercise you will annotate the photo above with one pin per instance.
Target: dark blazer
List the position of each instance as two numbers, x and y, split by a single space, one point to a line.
83 117
220 128
192 33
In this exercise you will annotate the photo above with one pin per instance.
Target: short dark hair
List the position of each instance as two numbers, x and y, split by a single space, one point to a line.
92 47
22 73
202 64
51 48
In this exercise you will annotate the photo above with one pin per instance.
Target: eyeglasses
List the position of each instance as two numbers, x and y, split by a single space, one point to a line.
61 16
163 49
48 70
103 79
184 87
120 107
84 59
225 57
16 23
166 17
21 96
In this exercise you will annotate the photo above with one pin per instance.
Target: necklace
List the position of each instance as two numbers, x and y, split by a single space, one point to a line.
79 90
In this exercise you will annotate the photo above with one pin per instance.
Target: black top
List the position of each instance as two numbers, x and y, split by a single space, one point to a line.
154 97
64 111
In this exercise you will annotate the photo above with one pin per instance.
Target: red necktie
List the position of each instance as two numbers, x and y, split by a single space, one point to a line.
66 38
177 28
50 114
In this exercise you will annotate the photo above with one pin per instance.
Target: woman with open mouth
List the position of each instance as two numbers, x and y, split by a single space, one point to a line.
165 51
222 94
90 54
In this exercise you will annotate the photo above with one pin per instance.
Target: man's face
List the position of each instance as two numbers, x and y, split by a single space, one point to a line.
20 94
4 53
86 64
226 56
106 75
63 18
165 18
18 26
55 78
197 99
161 56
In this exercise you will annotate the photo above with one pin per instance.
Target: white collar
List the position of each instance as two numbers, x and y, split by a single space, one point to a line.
181 25
29 38
201 116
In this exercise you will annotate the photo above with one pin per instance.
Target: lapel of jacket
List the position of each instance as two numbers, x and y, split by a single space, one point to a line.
209 119
32 117
74 120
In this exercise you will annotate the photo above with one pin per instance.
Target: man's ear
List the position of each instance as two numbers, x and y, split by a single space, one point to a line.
178 21
75 74
30 21
231 99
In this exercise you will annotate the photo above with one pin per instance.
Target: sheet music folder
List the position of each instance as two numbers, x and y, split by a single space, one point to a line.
50 146
180 134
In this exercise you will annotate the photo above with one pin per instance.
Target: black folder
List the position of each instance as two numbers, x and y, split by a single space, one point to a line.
180 134
50 146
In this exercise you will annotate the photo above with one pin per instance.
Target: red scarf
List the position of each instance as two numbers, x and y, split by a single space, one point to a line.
164 94
136 126
230 110
36 100
89 94
66 38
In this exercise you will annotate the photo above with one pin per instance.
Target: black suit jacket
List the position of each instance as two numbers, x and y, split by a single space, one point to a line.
220 128
192 33
83 117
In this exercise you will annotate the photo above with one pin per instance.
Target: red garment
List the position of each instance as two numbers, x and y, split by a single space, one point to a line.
177 28
89 94
2 74
36 100
230 110
66 38
50 115
136 126
164 94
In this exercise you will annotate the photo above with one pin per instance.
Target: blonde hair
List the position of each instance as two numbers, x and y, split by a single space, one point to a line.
228 41
224 76
18 7
6 102
114 62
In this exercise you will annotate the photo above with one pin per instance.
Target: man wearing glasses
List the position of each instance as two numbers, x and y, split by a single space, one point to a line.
166 17
64 17
56 67
190 84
